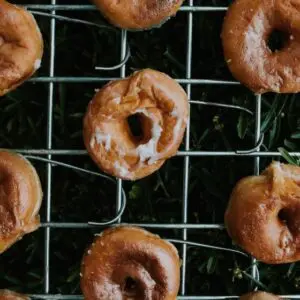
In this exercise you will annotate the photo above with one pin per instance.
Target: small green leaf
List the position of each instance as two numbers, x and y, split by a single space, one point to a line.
12 280
211 265
10 124
254 280
291 270
273 132
276 109
295 135
242 125
290 159
290 112
76 134
136 192
73 276
290 145
269 117
76 115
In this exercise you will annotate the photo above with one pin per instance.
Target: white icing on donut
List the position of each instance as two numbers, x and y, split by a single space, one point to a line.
284 173
286 241
177 128
156 131
174 113
37 64
92 142
149 150
179 123
117 100
104 139
121 152
101 138
121 169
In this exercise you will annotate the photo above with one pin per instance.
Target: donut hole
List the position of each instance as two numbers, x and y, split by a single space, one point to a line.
283 216
290 216
130 286
135 125
277 40
140 127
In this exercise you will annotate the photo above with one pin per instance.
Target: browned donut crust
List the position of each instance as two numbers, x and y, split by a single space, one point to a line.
20 198
9 295
263 214
136 15
162 107
259 296
130 263
246 30
21 46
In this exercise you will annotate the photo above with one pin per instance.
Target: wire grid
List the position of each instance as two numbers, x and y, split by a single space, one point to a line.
188 81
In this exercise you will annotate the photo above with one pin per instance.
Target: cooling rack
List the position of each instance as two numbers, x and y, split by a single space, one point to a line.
48 155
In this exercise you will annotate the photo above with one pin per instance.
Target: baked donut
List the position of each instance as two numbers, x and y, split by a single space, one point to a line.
20 198
9 295
130 263
162 108
137 15
247 28
259 296
263 214
21 46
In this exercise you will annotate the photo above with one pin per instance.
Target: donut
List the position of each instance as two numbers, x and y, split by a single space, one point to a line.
130 263
21 46
259 296
247 29
20 198
162 108
263 214
9 295
138 15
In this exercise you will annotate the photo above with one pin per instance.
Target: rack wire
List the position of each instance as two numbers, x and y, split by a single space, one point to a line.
39 154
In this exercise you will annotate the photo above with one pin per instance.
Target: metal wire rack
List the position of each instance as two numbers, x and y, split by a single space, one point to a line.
47 154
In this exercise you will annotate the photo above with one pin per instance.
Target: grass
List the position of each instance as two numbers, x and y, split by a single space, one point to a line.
79 198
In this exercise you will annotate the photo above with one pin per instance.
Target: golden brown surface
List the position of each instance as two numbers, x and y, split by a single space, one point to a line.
263 214
162 107
20 198
247 27
128 263
9 295
142 14
21 46
259 296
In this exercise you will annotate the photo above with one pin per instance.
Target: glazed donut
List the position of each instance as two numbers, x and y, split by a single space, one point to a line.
162 108
137 15
130 263
259 296
263 214
9 295
20 198
246 31
21 46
